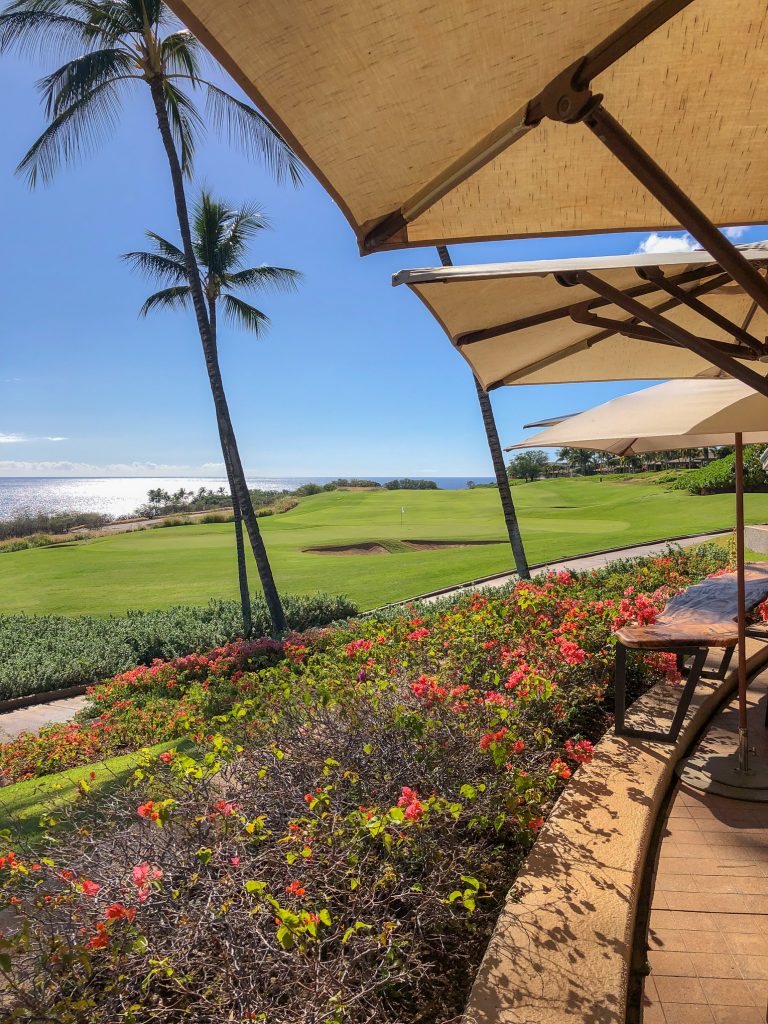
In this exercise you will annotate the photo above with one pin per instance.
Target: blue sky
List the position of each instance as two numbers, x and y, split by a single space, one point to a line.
353 378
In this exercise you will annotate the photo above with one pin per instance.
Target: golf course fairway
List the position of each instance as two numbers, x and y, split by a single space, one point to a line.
158 568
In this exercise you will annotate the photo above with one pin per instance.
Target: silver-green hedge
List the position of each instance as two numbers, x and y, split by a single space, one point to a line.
44 652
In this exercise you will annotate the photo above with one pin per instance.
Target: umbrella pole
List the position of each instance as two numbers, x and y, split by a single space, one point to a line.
742 607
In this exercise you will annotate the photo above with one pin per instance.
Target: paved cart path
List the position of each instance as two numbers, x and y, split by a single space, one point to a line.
30 719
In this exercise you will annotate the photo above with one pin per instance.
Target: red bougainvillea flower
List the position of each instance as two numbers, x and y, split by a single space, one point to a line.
409 799
492 737
225 807
535 824
166 756
90 888
418 634
296 888
581 752
147 810
116 912
519 746
572 653
100 939
560 768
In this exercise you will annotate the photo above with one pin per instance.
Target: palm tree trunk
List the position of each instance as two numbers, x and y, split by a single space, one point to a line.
242 569
223 419
497 457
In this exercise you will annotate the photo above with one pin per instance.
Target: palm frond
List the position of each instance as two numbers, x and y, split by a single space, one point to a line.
75 131
241 225
166 248
247 128
181 53
78 77
259 278
241 313
169 298
152 264
114 19
40 33
185 123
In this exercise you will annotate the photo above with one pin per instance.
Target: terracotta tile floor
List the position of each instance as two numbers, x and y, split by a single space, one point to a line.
708 935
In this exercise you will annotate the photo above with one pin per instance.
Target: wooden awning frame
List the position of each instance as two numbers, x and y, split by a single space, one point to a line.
569 99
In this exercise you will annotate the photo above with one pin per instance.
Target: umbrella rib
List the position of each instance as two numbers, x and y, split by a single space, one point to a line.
378 233
487 333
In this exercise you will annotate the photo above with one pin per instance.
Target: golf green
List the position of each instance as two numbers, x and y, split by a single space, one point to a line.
190 564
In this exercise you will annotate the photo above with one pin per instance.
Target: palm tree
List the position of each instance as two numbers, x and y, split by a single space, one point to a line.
497 458
113 45
220 237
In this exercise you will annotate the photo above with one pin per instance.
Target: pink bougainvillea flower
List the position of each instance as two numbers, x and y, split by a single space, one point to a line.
234 861
414 810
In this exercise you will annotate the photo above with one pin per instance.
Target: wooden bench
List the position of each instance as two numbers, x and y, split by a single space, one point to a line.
699 619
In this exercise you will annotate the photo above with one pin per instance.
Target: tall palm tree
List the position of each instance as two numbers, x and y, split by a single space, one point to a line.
497 458
112 46
220 237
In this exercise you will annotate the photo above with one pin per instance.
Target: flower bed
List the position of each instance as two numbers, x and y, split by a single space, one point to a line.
341 846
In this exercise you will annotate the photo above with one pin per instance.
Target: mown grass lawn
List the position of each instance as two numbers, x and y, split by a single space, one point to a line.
190 564
24 805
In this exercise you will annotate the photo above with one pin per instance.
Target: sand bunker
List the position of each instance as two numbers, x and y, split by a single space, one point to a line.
366 548
374 548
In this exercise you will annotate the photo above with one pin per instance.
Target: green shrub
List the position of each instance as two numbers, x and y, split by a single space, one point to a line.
217 517
406 484
25 524
720 476
43 652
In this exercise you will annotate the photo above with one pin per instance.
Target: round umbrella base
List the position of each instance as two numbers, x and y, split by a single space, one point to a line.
720 774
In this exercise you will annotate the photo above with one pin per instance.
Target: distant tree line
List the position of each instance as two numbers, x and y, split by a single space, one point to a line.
166 503
533 464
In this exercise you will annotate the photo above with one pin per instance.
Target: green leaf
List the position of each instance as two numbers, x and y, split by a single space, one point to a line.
254 886
325 916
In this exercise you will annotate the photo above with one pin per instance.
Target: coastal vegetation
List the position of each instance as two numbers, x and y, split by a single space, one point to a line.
191 564
340 831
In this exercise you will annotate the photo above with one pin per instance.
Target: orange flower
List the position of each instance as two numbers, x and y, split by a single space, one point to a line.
296 888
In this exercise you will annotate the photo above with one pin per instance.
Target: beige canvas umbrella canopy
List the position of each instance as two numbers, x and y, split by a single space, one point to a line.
681 414
559 321
435 121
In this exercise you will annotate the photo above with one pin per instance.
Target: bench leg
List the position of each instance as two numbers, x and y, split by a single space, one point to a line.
620 688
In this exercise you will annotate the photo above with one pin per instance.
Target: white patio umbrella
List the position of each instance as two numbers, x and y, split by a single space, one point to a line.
679 414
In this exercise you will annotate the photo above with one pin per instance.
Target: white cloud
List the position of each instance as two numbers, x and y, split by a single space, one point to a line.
668 243
734 233
25 439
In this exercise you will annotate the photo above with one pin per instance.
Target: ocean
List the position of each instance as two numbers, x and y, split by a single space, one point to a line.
120 496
